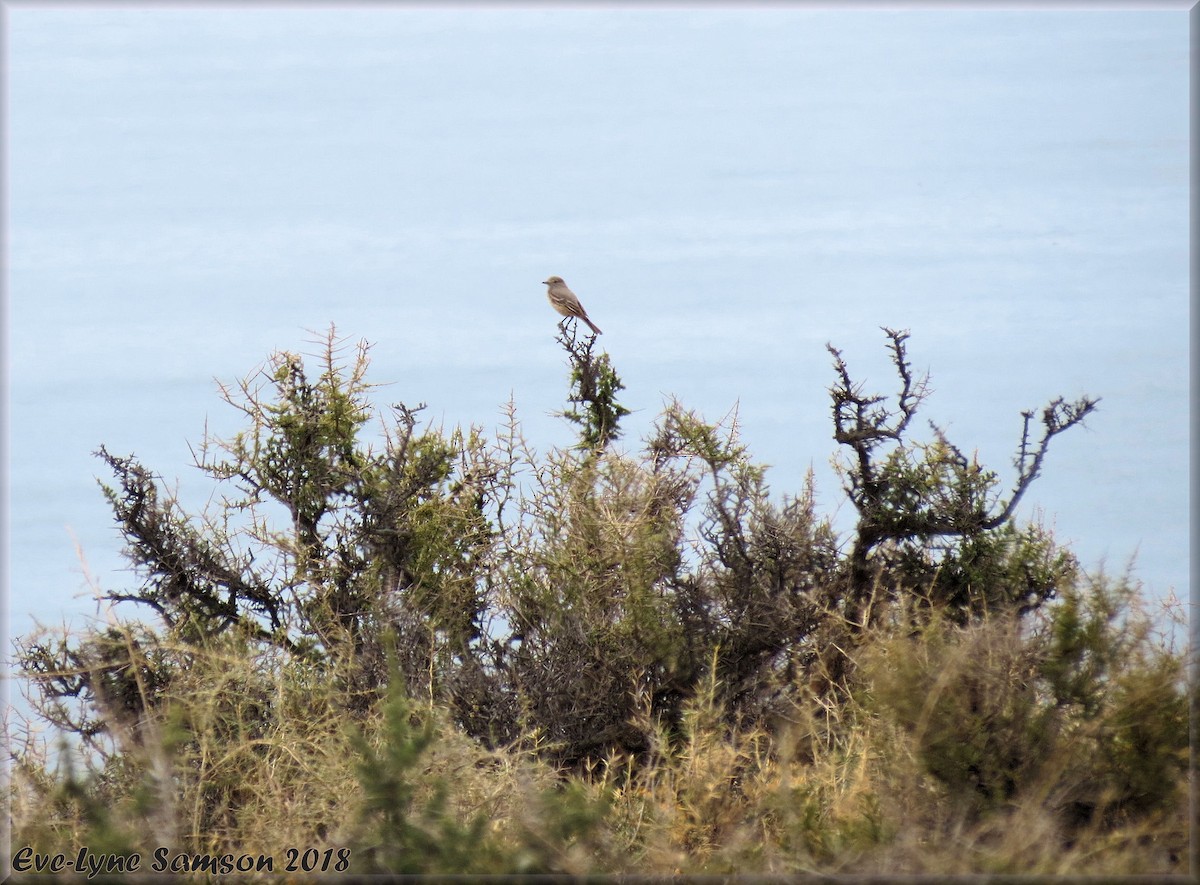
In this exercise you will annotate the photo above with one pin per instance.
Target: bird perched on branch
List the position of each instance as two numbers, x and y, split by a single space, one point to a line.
564 301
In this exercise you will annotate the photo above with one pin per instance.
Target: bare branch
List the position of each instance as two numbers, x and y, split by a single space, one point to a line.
912 392
859 420
1058 416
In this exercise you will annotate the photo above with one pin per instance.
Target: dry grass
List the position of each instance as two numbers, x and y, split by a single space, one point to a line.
250 756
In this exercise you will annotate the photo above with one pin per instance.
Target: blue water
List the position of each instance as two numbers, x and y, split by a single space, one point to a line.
726 190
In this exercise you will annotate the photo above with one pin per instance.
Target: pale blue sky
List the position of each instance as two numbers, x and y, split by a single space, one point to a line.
726 190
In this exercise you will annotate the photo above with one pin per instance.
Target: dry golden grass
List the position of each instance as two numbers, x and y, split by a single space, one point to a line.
248 756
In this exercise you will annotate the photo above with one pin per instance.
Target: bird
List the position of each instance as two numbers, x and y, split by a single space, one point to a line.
564 301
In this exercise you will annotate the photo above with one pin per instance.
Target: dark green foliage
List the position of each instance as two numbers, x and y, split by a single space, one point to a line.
101 685
930 521
1100 657
379 540
1082 708
407 823
198 588
399 833
594 386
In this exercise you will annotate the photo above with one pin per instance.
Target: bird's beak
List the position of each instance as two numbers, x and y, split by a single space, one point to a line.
545 282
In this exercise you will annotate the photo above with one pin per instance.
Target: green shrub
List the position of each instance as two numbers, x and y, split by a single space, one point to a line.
446 654
1083 709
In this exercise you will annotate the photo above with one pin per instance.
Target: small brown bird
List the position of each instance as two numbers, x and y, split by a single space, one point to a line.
564 301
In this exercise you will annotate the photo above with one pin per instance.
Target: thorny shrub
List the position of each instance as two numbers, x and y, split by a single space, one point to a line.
454 655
